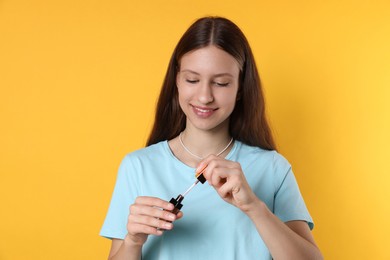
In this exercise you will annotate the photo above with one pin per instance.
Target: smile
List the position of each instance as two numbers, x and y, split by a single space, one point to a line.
203 112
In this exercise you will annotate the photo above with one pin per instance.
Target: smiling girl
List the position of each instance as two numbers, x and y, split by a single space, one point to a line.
210 114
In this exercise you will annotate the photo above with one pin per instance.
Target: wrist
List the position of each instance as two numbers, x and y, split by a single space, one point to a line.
256 209
130 242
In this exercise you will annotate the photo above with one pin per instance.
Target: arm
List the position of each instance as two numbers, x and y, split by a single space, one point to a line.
148 216
124 249
291 240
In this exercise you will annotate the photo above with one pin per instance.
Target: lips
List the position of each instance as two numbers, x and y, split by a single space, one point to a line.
203 112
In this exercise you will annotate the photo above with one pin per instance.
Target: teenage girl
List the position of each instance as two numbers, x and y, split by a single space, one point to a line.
210 115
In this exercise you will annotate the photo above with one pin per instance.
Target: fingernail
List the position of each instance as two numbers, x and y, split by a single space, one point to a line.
171 217
168 225
170 206
200 168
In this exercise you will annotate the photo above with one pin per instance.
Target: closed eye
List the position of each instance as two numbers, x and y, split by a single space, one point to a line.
192 81
222 84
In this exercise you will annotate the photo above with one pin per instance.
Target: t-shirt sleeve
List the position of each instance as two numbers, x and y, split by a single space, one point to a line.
123 196
289 204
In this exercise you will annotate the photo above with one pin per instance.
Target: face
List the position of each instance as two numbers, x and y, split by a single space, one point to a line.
207 84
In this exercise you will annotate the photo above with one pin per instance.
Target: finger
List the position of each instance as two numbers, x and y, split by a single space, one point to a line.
179 215
137 209
135 229
206 167
155 202
217 177
228 189
201 168
215 159
229 173
148 221
212 162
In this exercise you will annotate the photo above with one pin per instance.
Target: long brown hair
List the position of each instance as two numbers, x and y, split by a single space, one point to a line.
248 122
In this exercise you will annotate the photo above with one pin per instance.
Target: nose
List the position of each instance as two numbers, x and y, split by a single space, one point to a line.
205 94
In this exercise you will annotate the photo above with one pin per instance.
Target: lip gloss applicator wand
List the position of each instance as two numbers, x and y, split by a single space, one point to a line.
177 202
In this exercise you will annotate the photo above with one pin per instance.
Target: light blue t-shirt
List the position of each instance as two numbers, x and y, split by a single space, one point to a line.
210 228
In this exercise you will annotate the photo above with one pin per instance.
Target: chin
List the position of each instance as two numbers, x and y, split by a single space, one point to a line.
209 126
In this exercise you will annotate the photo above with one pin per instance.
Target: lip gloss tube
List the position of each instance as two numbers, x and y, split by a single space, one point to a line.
177 203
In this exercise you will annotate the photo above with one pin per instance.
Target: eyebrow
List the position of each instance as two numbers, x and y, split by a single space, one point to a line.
216 75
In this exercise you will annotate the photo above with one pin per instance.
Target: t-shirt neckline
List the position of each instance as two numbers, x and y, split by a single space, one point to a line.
227 157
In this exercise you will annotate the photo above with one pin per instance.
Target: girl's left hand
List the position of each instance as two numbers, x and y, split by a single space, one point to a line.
229 181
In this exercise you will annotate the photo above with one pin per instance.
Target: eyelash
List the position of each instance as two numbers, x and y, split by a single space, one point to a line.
192 81
222 84
216 83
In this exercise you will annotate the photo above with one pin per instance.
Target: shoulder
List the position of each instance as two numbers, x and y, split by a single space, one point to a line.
150 150
146 154
269 157
264 164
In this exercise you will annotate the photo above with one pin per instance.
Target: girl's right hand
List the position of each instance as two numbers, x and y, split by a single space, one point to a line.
149 216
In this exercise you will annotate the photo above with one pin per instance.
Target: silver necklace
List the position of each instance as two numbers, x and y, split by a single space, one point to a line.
198 157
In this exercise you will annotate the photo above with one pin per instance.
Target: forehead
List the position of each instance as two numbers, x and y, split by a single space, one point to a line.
209 60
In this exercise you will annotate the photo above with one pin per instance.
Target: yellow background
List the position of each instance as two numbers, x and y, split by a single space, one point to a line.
78 85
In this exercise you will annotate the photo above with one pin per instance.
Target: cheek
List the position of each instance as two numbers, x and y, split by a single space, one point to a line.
180 94
182 97
230 102
228 99
184 93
